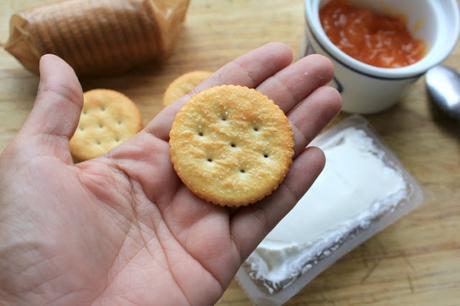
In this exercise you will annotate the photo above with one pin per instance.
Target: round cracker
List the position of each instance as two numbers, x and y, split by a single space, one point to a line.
231 145
184 85
108 118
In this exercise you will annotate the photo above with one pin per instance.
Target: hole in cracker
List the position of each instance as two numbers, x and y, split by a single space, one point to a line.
101 125
85 112
103 108
265 155
242 171
210 160
233 145
224 118
200 134
119 122
256 128
81 129
98 142
117 139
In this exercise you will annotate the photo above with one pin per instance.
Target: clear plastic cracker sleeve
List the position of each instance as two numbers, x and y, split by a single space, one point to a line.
97 37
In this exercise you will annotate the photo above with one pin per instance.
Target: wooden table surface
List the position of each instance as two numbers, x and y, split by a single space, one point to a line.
414 262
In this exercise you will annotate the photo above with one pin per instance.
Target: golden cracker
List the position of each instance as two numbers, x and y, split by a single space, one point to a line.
231 145
108 118
184 85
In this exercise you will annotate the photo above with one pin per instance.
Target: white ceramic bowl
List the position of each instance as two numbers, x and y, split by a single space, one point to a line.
369 89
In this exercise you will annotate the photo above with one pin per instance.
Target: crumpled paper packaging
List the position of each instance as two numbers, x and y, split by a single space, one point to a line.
97 37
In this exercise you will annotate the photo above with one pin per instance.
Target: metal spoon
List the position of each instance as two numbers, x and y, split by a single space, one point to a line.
443 84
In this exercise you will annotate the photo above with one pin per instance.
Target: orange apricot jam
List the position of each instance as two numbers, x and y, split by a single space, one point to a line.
367 36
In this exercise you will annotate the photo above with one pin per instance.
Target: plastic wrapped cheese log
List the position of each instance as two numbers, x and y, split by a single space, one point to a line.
97 37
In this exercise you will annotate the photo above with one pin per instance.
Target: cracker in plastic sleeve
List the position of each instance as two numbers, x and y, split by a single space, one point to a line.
97 37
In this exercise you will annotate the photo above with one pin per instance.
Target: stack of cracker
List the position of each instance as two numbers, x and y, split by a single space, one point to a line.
97 37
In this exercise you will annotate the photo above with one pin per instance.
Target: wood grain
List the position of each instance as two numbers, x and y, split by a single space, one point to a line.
414 262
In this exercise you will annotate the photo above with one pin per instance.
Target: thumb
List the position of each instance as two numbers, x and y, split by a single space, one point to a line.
58 104
59 100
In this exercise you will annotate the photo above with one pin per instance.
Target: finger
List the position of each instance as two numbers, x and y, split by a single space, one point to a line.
312 114
248 70
251 224
292 84
59 100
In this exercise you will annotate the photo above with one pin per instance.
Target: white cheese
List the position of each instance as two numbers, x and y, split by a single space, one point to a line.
355 184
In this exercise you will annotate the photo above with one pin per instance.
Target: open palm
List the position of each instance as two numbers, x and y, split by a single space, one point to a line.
122 229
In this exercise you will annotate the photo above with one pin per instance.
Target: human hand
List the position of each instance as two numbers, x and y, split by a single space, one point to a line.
122 229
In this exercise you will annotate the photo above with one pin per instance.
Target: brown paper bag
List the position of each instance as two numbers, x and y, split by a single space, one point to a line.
97 37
